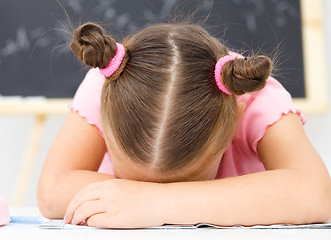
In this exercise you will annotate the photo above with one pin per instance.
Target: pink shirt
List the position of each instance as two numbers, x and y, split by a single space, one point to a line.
263 109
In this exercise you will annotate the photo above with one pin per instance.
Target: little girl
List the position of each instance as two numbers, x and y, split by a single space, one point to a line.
171 127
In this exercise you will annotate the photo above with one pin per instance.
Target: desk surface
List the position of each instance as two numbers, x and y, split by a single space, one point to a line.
32 231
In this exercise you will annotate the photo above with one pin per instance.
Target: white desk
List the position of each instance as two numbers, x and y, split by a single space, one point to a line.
33 232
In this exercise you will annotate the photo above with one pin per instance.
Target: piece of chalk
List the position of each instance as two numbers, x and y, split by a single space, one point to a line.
28 219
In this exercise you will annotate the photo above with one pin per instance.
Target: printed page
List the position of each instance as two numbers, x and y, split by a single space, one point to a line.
59 224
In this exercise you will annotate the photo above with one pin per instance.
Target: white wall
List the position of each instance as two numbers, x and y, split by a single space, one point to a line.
14 132
14 135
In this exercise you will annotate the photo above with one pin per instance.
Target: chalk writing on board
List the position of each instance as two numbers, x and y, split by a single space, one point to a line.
40 37
42 50
75 5
24 41
249 10
252 11
284 10
13 46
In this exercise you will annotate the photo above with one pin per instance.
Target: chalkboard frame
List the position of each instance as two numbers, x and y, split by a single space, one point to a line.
314 102
314 59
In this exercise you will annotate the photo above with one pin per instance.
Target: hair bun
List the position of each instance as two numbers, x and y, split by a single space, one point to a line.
92 45
246 74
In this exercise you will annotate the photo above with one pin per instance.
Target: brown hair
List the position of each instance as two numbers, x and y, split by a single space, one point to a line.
162 105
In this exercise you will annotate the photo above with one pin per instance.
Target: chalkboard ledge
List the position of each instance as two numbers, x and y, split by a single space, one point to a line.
33 106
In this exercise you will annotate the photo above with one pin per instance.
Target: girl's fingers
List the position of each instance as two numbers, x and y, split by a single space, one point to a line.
85 195
112 220
99 220
86 210
72 208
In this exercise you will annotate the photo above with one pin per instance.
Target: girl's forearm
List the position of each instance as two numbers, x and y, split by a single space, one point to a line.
55 192
278 196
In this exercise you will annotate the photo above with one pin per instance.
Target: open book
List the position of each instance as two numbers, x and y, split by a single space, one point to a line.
59 224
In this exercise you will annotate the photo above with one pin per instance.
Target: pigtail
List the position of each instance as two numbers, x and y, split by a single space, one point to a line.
244 75
95 48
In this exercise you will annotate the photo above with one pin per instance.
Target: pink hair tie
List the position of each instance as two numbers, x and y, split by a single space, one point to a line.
218 69
115 62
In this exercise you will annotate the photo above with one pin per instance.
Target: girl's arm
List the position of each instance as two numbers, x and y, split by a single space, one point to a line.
71 163
295 189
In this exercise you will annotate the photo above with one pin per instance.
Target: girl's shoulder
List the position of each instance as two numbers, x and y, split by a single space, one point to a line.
263 109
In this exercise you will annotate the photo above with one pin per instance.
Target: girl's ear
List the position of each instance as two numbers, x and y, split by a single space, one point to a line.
241 109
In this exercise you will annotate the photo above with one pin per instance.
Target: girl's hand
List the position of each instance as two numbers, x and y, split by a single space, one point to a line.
117 203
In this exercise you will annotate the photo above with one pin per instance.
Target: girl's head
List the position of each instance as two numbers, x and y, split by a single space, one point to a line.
162 114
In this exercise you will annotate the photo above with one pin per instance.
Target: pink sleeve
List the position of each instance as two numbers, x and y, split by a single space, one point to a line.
263 109
87 98
87 104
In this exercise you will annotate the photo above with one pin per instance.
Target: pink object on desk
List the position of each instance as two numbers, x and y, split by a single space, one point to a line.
4 212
